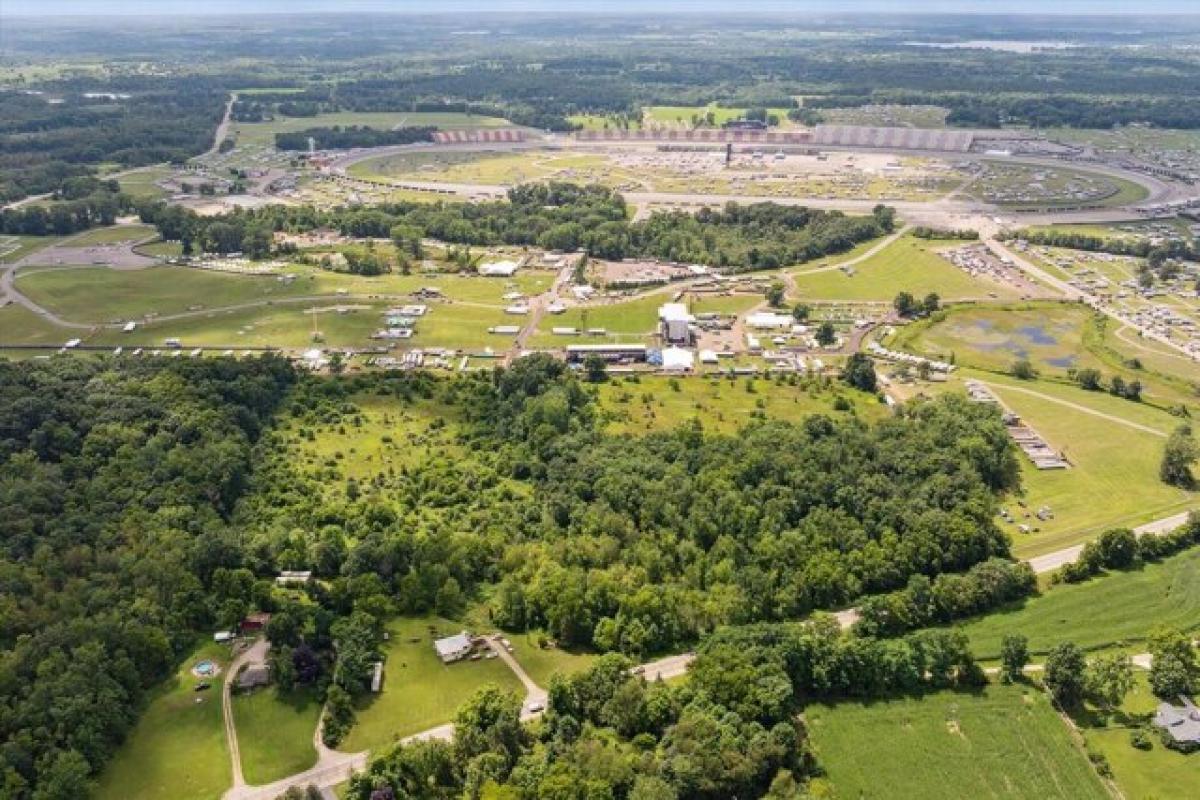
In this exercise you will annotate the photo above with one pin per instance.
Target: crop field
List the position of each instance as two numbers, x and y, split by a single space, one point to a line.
178 747
908 264
275 732
656 403
419 691
263 133
1004 741
1115 610
1113 479
1159 772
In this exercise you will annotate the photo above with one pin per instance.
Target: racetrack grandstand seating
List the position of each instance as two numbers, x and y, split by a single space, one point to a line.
480 136
894 138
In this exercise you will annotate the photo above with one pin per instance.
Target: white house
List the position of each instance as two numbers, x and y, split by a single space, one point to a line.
453 648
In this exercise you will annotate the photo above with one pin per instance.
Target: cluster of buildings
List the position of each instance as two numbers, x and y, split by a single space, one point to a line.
400 322
1031 443
879 351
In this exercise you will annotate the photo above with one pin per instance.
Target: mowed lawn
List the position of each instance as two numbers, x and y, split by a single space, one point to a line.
722 405
14 248
100 294
19 325
419 691
114 234
908 264
626 320
1159 773
275 732
1004 742
178 747
1113 480
543 663
1115 609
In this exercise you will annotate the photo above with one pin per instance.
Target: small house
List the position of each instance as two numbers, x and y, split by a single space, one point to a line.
253 676
1180 723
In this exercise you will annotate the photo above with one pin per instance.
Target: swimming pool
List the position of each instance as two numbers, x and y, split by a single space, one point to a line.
205 668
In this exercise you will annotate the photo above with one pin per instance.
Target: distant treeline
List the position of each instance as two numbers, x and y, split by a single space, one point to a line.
1140 247
561 216
74 210
342 138
965 234
43 144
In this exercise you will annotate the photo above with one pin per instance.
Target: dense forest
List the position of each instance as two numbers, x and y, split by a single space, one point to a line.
116 488
339 138
131 122
558 216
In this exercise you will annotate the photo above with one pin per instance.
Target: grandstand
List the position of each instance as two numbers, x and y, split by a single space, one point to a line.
942 140
700 136
502 135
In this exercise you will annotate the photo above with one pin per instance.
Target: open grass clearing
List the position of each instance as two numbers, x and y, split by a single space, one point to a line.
142 183
20 326
275 732
419 691
908 264
542 663
113 234
1113 480
1117 609
1003 741
177 749
637 315
658 403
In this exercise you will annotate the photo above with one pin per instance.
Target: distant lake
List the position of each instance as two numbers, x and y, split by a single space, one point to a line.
1003 45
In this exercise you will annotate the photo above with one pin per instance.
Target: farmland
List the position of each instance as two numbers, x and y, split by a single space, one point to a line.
1003 741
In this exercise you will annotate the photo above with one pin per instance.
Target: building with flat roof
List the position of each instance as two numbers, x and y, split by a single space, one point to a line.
1181 723
453 648
675 323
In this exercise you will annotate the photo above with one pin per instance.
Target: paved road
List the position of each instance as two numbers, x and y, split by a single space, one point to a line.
223 128
1069 555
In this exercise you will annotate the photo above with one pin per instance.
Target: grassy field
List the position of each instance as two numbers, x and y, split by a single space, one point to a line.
160 249
263 133
91 294
275 732
682 115
1159 773
1113 479
497 168
543 662
178 748
908 264
652 404
114 234
19 325
1114 610
724 304
141 183
419 691
1005 741
628 320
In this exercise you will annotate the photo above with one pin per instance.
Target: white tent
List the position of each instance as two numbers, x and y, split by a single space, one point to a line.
677 359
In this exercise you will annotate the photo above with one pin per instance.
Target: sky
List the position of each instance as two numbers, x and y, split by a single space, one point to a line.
158 7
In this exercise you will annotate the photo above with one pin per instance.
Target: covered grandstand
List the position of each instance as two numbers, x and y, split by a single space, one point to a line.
939 139
479 136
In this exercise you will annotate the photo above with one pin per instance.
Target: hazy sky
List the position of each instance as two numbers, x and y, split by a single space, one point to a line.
109 7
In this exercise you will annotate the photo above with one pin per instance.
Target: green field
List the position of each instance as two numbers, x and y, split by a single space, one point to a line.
19 325
495 168
682 115
419 691
1113 610
141 183
542 663
275 732
627 320
1004 741
1160 772
908 264
722 405
114 234
178 748
724 304
1113 479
